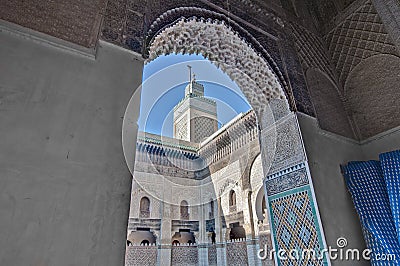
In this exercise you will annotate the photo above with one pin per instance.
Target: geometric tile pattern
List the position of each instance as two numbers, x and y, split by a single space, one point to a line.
203 127
181 129
294 221
236 253
184 255
359 36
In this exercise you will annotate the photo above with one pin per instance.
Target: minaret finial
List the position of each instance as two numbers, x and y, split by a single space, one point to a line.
190 72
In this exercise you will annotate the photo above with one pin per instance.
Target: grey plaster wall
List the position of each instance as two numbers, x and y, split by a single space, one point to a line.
64 183
385 142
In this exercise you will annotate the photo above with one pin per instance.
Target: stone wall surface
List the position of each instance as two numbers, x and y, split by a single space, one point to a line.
359 36
74 21
371 95
386 142
266 244
328 104
341 46
212 255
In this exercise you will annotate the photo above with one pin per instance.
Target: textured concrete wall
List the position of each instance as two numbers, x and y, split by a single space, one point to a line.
328 104
64 183
372 94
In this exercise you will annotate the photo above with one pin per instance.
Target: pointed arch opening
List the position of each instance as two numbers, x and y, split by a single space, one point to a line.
184 210
144 207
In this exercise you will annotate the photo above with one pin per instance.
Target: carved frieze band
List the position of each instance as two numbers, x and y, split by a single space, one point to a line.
293 177
219 43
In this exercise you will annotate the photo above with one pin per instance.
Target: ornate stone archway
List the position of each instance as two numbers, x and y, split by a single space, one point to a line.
287 180
217 42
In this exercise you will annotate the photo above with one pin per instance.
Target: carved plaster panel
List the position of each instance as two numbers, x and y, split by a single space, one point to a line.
291 178
282 145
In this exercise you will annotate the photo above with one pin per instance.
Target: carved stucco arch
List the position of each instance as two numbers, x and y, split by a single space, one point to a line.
171 16
220 44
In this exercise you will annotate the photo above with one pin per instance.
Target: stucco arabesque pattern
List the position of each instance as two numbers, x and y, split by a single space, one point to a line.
218 42
285 180
228 184
171 16
282 145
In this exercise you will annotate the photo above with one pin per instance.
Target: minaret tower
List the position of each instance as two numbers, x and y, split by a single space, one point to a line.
195 116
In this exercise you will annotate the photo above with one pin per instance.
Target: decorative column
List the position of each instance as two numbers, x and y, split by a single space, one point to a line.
221 253
248 227
252 249
203 254
220 236
164 249
202 239
295 221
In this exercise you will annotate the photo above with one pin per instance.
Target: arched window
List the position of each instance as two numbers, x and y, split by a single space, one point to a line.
263 205
175 242
144 207
211 209
232 201
232 198
184 210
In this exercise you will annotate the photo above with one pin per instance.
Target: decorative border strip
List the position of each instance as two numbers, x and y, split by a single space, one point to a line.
285 180
286 171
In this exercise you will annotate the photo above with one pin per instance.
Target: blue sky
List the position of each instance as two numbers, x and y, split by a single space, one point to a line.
164 82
